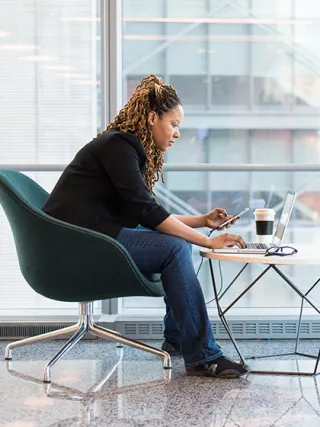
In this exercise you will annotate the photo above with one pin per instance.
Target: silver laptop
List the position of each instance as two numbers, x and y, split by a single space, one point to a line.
260 248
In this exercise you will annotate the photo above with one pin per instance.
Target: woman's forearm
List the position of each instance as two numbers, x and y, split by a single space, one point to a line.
193 221
175 227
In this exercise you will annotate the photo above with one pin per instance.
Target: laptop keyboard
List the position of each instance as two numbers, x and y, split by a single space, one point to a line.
257 246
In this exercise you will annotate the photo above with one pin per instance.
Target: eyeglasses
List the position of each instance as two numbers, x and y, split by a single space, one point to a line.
281 251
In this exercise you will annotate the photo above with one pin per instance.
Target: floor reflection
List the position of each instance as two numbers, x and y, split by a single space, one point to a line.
125 381
132 390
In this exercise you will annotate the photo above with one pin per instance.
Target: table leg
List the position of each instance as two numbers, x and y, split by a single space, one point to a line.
300 320
221 315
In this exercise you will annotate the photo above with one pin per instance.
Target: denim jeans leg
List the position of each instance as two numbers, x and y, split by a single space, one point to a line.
171 331
154 252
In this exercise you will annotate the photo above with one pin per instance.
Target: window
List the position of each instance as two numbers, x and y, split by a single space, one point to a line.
244 73
49 90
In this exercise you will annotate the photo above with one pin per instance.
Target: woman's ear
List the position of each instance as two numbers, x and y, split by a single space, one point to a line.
151 117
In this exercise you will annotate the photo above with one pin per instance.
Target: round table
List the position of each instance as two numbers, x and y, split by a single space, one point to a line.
307 254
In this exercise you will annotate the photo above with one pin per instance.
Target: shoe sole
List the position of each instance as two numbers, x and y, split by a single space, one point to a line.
227 374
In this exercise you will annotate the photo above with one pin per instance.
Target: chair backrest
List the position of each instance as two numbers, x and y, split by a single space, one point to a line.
31 193
62 261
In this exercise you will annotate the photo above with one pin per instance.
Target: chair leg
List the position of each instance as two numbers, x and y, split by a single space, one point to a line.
42 337
114 336
69 344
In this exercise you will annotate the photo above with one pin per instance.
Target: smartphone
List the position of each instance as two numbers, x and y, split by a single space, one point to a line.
231 219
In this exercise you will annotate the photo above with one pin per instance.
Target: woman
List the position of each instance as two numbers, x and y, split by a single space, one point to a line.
108 187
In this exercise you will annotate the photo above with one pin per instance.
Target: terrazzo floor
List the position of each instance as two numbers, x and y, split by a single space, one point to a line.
96 384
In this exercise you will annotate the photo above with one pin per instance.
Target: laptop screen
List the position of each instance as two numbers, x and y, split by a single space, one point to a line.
284 218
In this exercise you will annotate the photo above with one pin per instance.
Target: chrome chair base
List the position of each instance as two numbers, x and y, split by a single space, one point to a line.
85 325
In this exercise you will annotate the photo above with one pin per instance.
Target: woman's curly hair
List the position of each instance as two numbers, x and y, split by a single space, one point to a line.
150 95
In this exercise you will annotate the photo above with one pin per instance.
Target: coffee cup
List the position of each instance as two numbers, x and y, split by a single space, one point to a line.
264 225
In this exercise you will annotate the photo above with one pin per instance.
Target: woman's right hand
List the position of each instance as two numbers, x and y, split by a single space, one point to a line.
226 239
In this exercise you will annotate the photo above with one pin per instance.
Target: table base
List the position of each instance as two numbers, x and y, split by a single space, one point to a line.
304 297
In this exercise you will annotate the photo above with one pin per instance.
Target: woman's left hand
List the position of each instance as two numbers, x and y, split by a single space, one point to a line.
216 217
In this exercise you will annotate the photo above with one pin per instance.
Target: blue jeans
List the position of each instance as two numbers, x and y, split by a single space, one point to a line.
186 320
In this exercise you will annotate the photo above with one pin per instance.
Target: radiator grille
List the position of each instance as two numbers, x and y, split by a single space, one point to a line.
21 331
316 328
245 329
251 328
291 328
264 329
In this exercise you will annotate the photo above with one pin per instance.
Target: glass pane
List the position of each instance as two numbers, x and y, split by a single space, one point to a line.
244 73
49 91
48 79
235 191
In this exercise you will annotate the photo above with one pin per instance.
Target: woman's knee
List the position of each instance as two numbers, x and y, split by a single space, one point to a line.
178 245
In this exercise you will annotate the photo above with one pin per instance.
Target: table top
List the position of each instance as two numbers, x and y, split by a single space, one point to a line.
307 254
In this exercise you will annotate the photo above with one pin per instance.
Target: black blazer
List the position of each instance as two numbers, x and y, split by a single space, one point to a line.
103 188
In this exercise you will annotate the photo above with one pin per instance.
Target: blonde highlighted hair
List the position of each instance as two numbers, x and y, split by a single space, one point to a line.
150 95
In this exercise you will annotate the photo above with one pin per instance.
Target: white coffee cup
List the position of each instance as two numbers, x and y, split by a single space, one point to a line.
264 224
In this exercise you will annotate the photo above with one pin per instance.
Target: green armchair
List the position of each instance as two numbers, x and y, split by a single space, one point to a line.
69 263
